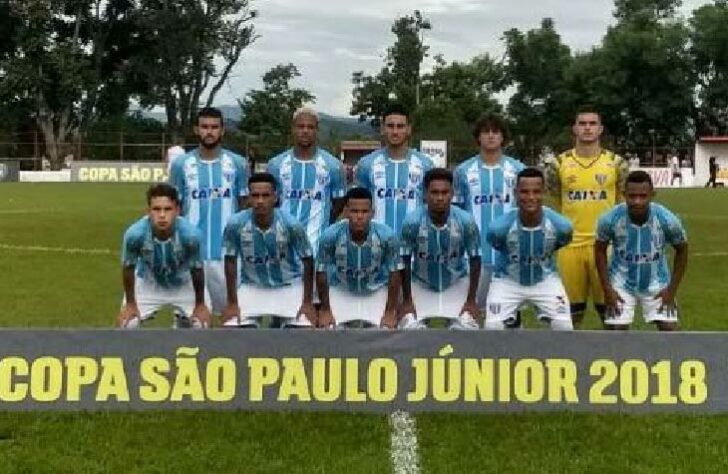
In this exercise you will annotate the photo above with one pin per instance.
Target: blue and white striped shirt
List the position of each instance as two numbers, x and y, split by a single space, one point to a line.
360 268
209 191
306 188
439 253
168 262
487 192
638 259
396 185
270 258
526 254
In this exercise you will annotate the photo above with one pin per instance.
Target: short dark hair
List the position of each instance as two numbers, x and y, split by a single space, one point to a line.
491 122
395 109
162 190
262 178
587 109
437 174
639 176
209 112
359 193
530 172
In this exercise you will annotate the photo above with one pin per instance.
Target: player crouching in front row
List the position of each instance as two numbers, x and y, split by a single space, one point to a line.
435 242
525 270
357 272
639 230
275 259
162 265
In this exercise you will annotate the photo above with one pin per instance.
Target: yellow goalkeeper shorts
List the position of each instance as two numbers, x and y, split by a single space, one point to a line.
579 275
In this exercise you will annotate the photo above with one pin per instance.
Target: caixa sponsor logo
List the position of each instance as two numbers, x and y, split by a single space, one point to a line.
211 193
587 195
491 199
639 257
439 257
353 272
264 260
395 193
304 195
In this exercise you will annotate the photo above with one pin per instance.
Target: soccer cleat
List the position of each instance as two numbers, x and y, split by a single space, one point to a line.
465 322
239 322
409 321
300 322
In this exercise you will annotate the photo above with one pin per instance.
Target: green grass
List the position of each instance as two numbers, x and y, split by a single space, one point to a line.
56 289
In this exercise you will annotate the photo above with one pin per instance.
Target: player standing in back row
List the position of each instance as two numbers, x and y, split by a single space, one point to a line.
213 184
394 174
310 181
485 187
586 181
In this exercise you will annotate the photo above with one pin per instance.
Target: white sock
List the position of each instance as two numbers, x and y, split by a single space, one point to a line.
561 325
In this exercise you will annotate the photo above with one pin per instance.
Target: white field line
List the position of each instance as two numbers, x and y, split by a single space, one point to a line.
404 449
67 250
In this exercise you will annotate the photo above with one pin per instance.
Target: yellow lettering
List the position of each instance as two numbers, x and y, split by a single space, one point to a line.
112 382
187 381
528 381
478 380
46 379
419 392
10 368
504 380
293 381
382 380
562 376
156 388
607 372
353 394
79 371
263 371
326 383
220 379
446 379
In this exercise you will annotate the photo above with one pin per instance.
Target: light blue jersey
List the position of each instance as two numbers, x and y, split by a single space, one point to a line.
439 254
306 188
168 262
269 258
487 192
638 260
360 268
526 254
209 191
396 185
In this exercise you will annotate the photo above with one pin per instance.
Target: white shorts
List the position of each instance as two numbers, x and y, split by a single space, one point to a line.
348 307
445 304
506 296
151 297
283 302
215 284
650 304
486 276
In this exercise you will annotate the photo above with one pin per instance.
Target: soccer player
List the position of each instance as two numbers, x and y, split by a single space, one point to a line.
358 268
639 231
485 187
675 169
212 183
585 181
275 260
525 272
162 265
441 253
310 181
394 174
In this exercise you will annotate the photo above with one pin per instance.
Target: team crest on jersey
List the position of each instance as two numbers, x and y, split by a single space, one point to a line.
571 179
415 176
601 179
657 239
322 178
379 174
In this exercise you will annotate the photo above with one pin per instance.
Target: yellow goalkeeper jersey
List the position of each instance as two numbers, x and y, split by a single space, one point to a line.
585 188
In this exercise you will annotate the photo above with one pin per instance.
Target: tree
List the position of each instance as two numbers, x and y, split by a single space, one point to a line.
709 39
184 42
537 63
66 66
399 78
267 113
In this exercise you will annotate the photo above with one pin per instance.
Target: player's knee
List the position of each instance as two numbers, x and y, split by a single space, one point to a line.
493 325
561 325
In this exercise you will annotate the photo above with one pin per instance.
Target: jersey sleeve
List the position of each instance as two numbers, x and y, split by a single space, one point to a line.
231 239
177 179
675 233
605 229
361 174
564 230
242 176
299 239
192 248
338 179
471 237
274 167
408 240
460 187
392 261
326 250
131 247
497 235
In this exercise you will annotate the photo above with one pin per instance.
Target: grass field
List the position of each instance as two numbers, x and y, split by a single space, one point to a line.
59 257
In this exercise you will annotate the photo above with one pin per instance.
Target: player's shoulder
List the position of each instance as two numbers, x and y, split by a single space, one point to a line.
612 215
286 219
278 159
504 222
138 230
468 164
333 231
513 164
423 158
371 157
186 230
235 157
381 230
556 217
415 217
241 218
664 214
461 215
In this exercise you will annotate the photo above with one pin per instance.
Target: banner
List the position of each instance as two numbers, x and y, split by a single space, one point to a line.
9 170
118 172
437 150
367 371
662 177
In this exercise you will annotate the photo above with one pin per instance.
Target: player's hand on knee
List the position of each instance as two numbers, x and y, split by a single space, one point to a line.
667 297
202 314
471 308
127 313
231 311
389 319
612 300
308 311
325 318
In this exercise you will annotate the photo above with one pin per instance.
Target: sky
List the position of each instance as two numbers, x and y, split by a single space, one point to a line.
330 39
